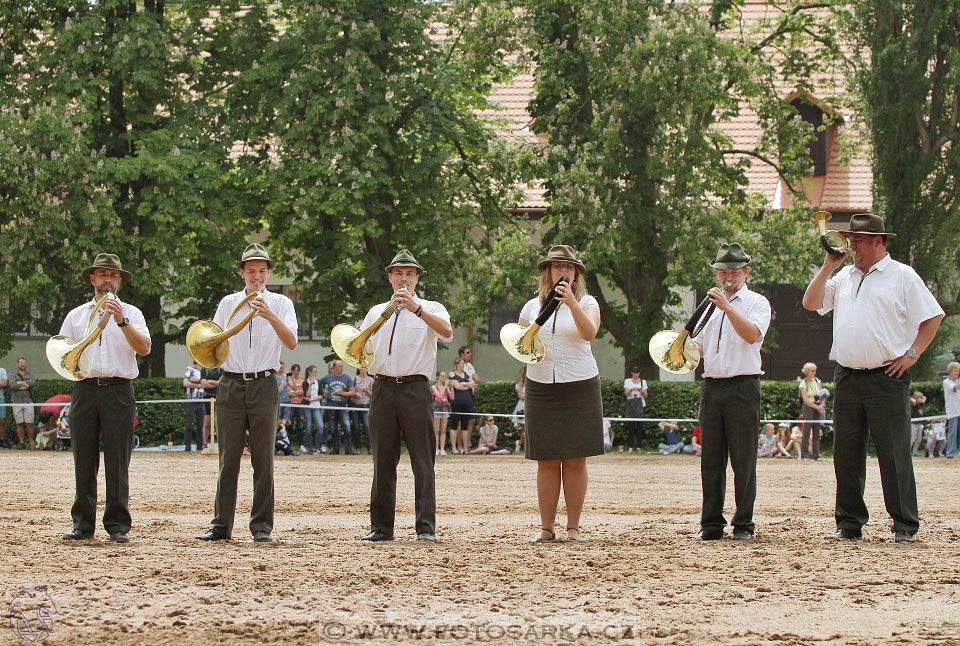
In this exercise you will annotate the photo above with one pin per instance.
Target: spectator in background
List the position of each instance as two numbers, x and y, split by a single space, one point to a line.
282 444
312 397
767 446
22 393
937 441
466 353
635 390
951 402
46 430
916 428
607 435
193 409
461 419
3 408
282 382
442 393
339 388
519 411
488 439
694 447
363 388
210 382
298 416
673 441
811 409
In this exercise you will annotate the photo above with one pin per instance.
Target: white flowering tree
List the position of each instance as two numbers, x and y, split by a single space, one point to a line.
113 138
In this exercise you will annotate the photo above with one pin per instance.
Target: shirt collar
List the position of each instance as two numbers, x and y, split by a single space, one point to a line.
740 293
880 265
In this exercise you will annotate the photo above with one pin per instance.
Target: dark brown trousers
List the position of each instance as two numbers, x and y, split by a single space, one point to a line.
241 406
402 412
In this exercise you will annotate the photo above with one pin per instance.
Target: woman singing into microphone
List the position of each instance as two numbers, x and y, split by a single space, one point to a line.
563 407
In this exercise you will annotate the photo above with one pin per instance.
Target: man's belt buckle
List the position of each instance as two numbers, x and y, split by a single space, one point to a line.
249 376
399 380
103 383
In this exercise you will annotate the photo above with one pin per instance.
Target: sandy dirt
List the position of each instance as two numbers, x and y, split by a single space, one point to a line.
635 578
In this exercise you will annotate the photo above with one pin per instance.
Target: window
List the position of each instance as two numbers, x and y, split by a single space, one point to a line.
819 148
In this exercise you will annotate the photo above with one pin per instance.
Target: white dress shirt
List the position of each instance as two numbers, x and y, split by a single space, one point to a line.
110 355
257 346
725 353
566 355
876 315
414 347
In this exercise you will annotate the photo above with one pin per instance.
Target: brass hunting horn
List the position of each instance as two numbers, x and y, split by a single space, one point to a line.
827 238
523 343
207 342
675 351
66 355
353 346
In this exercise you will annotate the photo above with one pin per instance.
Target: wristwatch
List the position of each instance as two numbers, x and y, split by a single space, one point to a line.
912 353
127 322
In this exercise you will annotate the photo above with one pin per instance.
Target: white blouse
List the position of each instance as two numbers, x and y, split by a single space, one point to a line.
567 357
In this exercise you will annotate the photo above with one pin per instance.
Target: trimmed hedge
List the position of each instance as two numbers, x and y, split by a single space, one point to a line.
667 399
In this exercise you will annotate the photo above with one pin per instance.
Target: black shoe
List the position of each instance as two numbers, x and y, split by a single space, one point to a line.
77 535
376 536
427 536
262 537
846 534
119 537
742 535
904 536
708 535
211 535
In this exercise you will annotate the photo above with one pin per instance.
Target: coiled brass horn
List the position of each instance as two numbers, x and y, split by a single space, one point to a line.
523 343
353 346
207 341
826 237
675 351
66 355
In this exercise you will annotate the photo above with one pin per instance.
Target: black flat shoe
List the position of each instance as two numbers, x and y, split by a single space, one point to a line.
904 536
844 534
119 537
77 535
376 536
211 535
742 535
707 535
427 536
573 529
262 537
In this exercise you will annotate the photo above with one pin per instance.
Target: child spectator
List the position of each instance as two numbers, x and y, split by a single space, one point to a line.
46 430
767 447
937 444
788 444
607 436
916 428
694 447
282 446
488 439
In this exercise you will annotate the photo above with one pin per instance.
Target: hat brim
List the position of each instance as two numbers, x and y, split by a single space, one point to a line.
270 263
405 264
573 261
125 276
729 265
868 233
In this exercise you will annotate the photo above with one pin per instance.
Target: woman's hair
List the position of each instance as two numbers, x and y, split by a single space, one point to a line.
952 365
310 368
456 361
295 366
487 419
546 285
768 427
807 367
441 373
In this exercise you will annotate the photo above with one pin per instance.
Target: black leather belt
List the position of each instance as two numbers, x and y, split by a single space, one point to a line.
728 380
248 376
106 381
401 380
865 371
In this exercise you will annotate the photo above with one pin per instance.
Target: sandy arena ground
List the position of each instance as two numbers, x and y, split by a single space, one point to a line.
634 579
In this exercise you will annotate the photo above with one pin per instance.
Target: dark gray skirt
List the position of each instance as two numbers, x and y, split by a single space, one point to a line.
564 421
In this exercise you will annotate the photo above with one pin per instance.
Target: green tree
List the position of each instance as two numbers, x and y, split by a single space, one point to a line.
641 177
906 75
364 135
114 139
